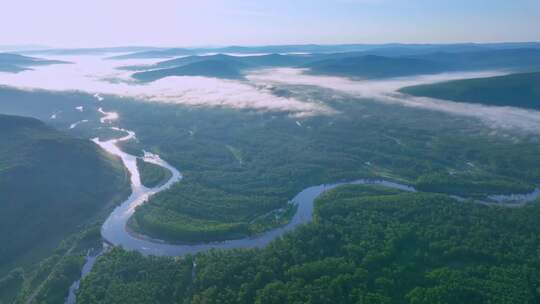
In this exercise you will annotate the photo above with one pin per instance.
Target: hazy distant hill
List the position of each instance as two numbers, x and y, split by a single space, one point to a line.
520 58
227 69
14 63
173 63
10 68
219 66
272 49
390 49
159 53
271 60
517 90
50 184
414 50
372 66
353 64
375 66
88 51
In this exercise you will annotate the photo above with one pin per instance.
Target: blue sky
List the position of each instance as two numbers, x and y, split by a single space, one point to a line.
70 23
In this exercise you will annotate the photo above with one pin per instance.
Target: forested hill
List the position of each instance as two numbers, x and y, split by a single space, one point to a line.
517 90
50 184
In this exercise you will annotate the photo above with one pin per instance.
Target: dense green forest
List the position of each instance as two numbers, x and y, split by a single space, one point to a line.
152 175
240 166
366 245
50 185
48 281
516 90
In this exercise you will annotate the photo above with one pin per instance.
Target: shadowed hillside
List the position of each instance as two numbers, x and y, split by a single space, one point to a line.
516 90
50 185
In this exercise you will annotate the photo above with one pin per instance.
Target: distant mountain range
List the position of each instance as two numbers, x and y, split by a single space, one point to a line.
14 63
517 90
391 49
375 66
285 49
364 61
219 66
271 60
88 51
349 64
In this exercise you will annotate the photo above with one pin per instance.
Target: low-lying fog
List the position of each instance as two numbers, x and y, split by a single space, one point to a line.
98 75
94 74
387 91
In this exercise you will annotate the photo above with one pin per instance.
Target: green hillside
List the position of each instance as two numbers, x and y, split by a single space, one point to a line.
517 90
50 186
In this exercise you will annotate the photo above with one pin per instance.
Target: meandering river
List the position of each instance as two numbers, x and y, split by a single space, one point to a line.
114 231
